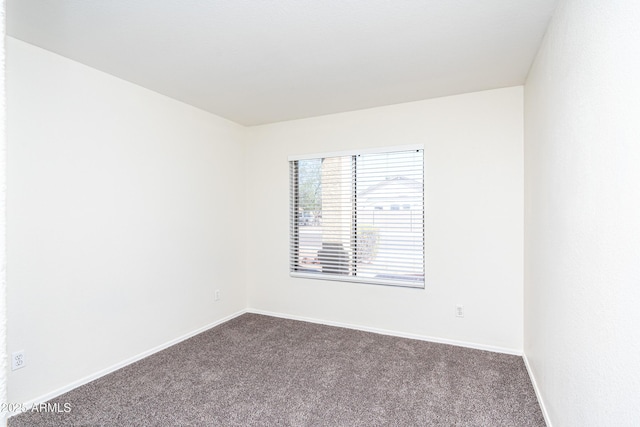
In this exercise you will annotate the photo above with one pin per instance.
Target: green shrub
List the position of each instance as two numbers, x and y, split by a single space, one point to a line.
367 239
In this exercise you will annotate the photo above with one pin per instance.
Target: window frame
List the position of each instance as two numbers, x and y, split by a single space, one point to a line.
294 226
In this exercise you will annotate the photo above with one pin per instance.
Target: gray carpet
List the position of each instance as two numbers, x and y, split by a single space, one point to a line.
263 371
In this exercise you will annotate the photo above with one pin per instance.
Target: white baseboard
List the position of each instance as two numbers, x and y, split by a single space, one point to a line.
476 346
122 364
545 414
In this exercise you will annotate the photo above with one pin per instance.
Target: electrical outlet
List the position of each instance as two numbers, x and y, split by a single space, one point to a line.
17 360
216 295
459 311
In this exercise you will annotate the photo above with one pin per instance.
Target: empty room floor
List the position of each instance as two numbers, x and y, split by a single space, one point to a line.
257 370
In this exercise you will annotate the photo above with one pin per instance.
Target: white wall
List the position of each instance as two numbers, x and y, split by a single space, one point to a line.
3 211
123 209
582 215
474 210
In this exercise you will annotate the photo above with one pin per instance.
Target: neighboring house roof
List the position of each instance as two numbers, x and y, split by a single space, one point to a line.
393 189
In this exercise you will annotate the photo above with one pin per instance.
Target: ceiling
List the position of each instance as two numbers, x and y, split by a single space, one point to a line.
260 61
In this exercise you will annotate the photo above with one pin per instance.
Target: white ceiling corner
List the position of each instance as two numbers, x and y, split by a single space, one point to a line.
256 61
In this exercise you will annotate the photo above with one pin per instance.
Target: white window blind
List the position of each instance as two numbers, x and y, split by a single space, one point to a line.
358 217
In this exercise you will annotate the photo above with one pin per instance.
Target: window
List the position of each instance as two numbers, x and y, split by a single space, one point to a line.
358 217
